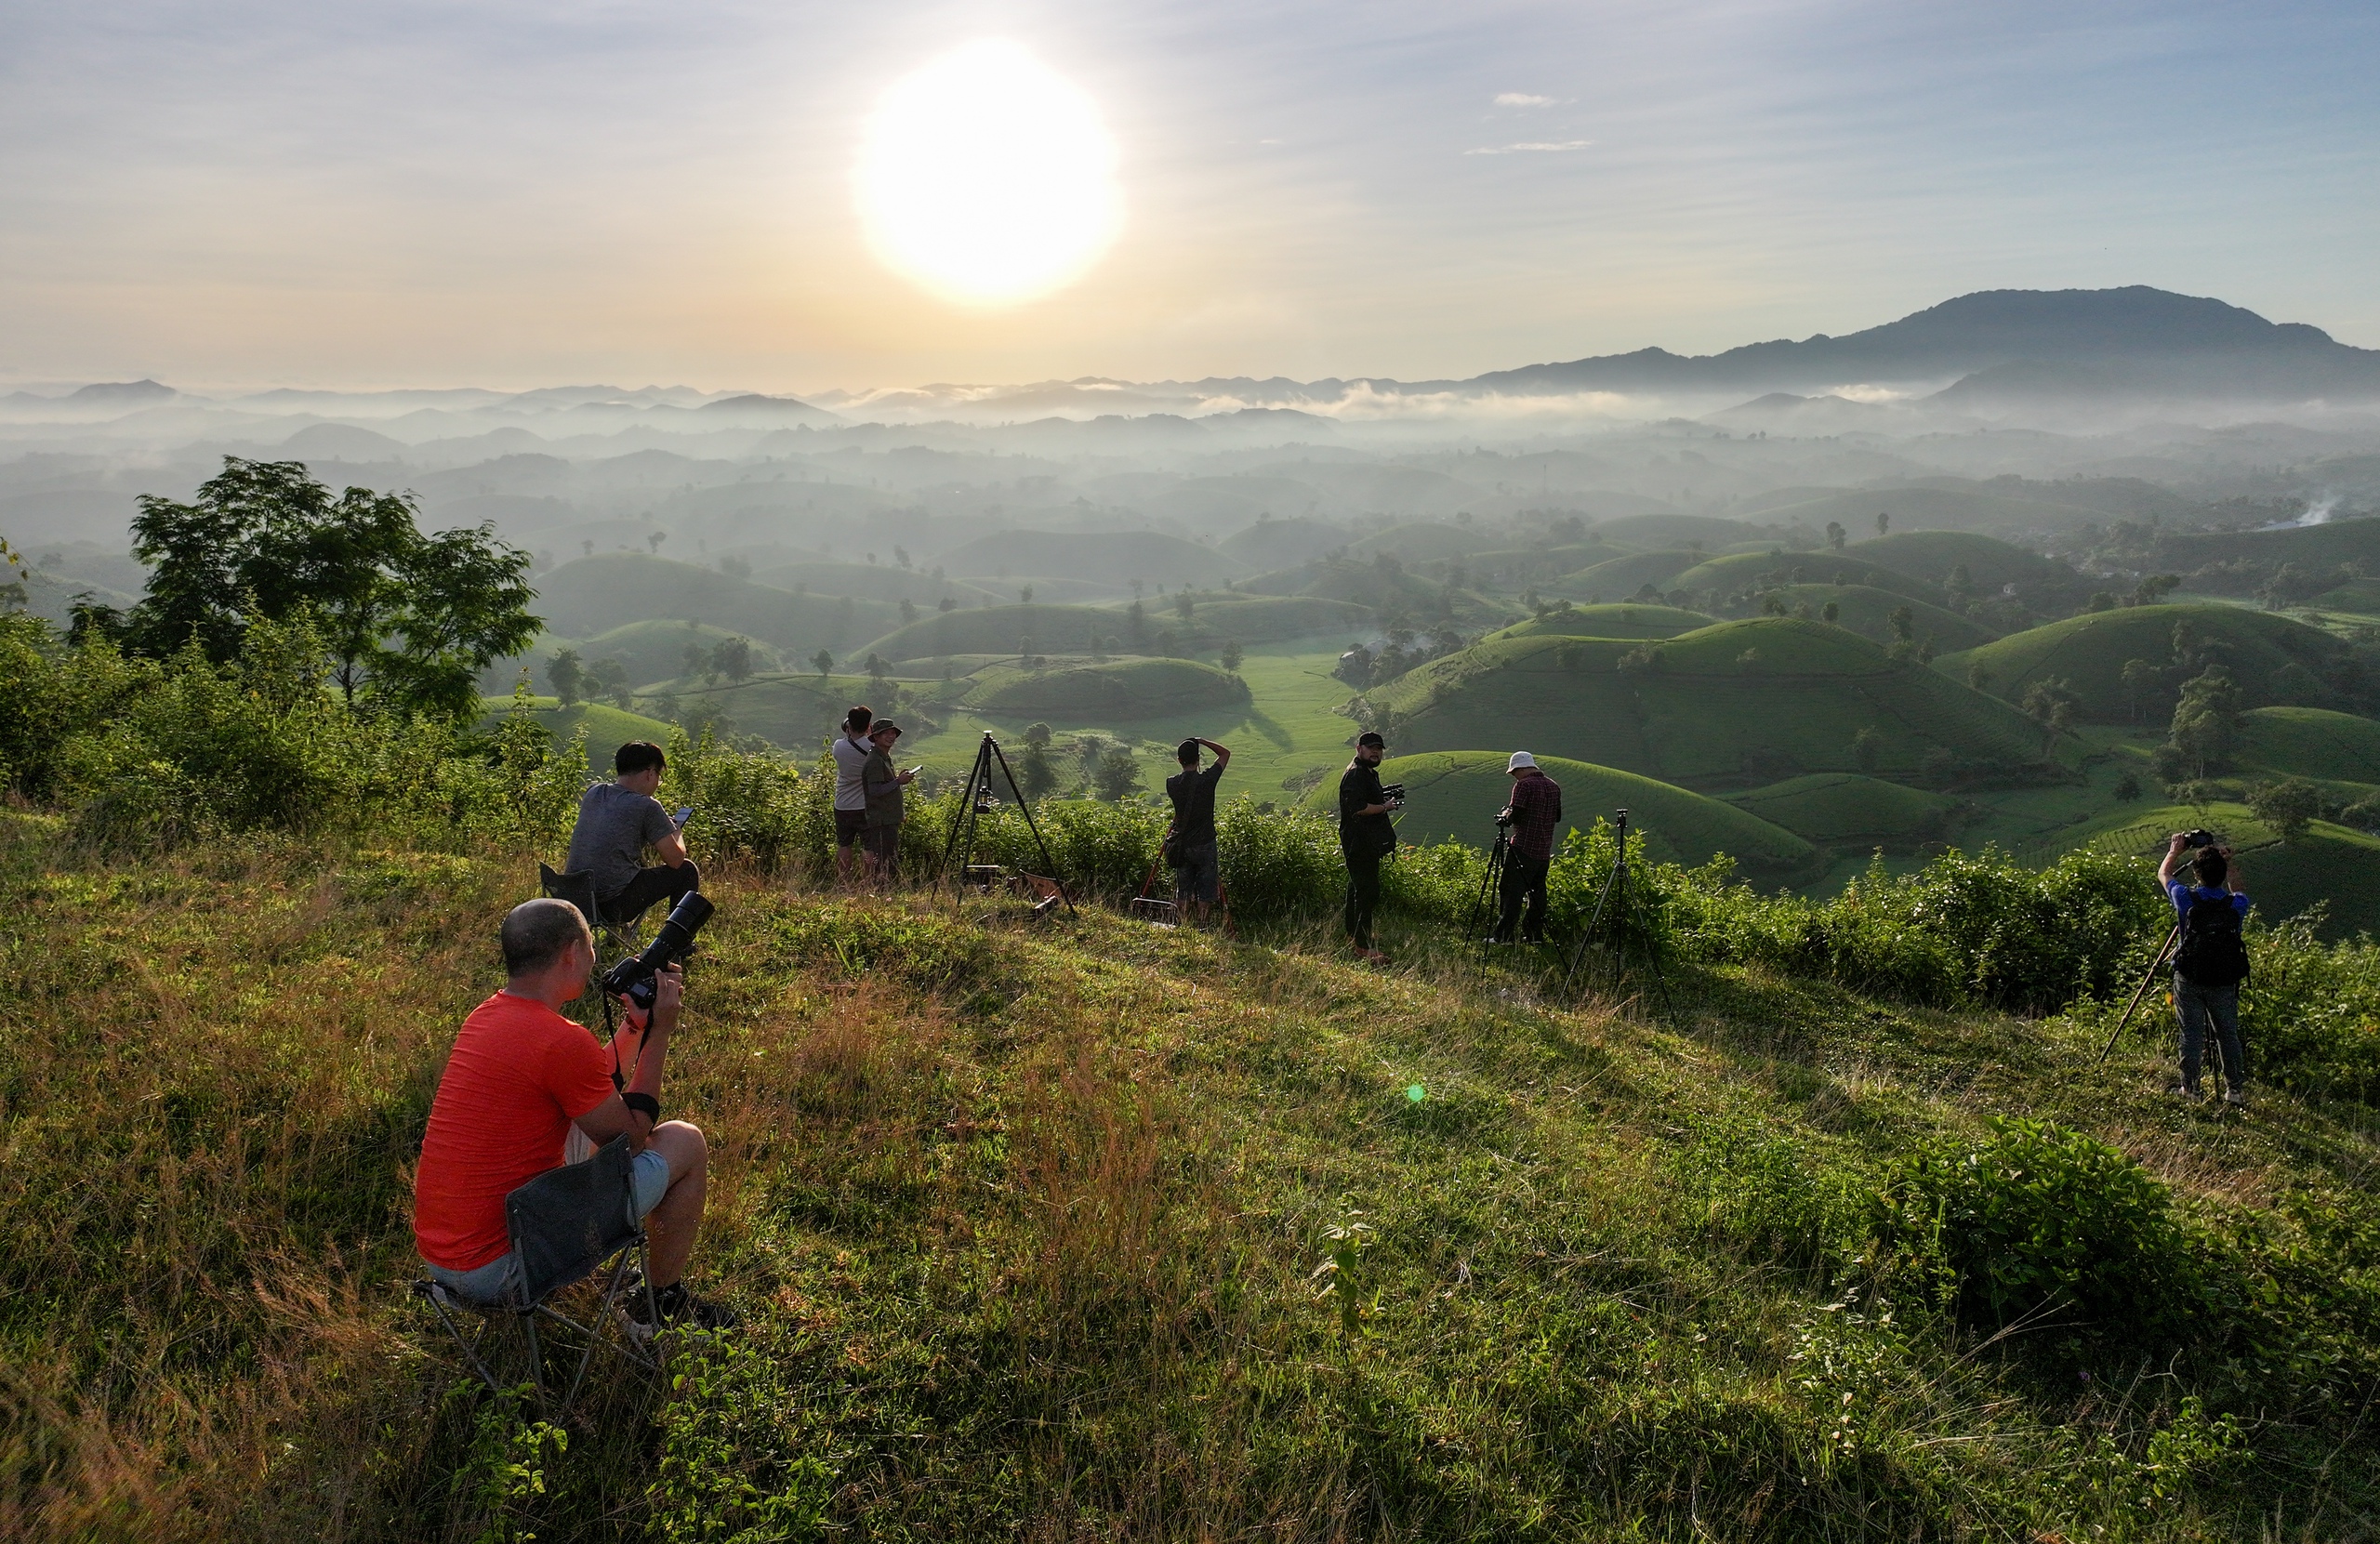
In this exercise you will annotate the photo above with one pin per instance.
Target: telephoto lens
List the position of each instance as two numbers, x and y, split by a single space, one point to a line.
633 978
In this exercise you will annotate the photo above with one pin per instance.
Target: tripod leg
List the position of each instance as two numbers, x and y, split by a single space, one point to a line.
1578 953
993 746
2155 966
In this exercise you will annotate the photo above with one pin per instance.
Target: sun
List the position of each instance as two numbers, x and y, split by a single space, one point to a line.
988 178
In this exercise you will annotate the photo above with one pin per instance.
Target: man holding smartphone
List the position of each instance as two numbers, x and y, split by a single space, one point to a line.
882 781
616 822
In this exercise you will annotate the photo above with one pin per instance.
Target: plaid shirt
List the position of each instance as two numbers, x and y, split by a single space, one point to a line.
1537 811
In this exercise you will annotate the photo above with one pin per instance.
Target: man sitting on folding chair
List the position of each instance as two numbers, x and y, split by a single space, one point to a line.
521 1075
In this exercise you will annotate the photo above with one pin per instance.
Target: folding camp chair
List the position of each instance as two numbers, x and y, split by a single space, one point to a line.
614 939
565 1225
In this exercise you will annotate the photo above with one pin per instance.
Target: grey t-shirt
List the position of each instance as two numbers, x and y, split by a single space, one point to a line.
616 825
851 760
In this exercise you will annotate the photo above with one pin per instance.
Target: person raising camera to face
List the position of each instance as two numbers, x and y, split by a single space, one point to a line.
520 1077
2211 960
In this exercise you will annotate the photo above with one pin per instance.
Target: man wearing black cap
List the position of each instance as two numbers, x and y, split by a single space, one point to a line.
1365 837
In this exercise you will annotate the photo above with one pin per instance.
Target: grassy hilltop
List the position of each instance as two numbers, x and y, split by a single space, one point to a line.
1026 1223
2089 653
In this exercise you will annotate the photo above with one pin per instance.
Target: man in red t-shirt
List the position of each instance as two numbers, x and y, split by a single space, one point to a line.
520 1077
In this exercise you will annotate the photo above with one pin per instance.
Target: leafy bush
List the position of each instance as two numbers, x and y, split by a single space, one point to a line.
2031 1217
730 1469
1739 1180
2310 1011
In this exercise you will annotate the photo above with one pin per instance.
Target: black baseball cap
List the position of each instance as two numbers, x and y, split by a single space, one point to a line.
1372 737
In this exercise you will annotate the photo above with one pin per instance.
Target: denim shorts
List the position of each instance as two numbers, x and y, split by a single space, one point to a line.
499 1280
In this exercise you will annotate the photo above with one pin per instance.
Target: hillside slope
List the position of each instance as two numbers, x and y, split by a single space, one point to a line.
1736 704
2090 651
594 595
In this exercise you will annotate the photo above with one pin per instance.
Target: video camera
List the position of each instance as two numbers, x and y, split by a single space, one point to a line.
634 978
1392 795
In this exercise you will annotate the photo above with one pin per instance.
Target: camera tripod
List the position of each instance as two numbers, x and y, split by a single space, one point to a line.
975 801
1486 907
2165 953
1610 926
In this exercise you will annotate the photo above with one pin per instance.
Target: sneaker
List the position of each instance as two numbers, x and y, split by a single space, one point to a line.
2187 1094
678 1310
2236 1097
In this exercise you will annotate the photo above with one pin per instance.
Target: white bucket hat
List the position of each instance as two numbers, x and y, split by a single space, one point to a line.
1520 759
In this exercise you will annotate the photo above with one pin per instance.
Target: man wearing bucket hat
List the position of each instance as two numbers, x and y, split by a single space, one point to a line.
1532 816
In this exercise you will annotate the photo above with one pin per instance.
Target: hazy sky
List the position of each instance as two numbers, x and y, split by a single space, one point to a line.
516 192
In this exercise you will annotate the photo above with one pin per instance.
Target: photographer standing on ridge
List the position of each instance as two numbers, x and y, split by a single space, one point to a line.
1366 835
1531 816
520 1077
616 822
851 749
1197 871
882 782
2211 961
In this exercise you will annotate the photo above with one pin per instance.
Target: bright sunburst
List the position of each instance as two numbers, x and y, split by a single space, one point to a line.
988 178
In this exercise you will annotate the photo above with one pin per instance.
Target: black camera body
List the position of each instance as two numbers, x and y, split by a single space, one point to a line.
2193 840
633 978
1392 795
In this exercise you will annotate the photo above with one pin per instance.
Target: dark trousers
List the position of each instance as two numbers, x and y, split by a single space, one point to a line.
650 885
2214 1009
1363 895
1523 883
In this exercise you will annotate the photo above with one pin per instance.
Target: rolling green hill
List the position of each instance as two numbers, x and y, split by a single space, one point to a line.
1456 794
2316 547
2332 867
2311 742
607 728
1271 618
1666 529
1933 556
1927 509
1736 704
1844 808
1271 544
1367 584
1114 558
2363 597
649 650
1615 621
997 630
875 582
1618 579
1098 694
594 595
1419 543
1740 571
1868 612
2090 651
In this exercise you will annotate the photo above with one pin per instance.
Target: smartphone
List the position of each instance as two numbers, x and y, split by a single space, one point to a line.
918 767
685 812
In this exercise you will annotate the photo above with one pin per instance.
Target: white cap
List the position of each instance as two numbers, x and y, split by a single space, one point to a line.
1520 759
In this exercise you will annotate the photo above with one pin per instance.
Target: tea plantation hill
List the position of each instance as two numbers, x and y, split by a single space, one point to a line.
1272 544
1991 563
608 728
1931 509
1668 529
1382 585
1456 794
2332 867
591 596
997 630
1746 573
1075 693
878 581
649 653
1115 559
1421 543
2310 742
1619 578
1869 611
2201 556
1845 809
1637 622
1731 706
2089 654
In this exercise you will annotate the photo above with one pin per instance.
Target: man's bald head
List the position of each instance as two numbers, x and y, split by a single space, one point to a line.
538 932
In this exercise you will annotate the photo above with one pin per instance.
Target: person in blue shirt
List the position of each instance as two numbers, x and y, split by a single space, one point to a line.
2210 962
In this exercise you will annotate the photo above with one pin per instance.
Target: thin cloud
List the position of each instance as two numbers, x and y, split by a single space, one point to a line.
1527 146
1521 99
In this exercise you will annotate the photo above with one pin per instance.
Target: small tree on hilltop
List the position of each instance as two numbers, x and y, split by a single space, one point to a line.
2139 677
2205 724
824 661
2289 806
1116 775
1836 536
1232 655
2051 704
562 671
732 658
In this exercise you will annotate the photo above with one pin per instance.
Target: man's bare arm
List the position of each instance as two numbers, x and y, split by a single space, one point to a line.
651 1042
1222 754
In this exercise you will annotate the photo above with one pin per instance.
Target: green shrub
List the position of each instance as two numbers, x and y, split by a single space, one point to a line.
2310 1011
2033 1220
1764 1193
732 1469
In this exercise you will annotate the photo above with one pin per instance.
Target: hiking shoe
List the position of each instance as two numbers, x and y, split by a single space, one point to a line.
678 1310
